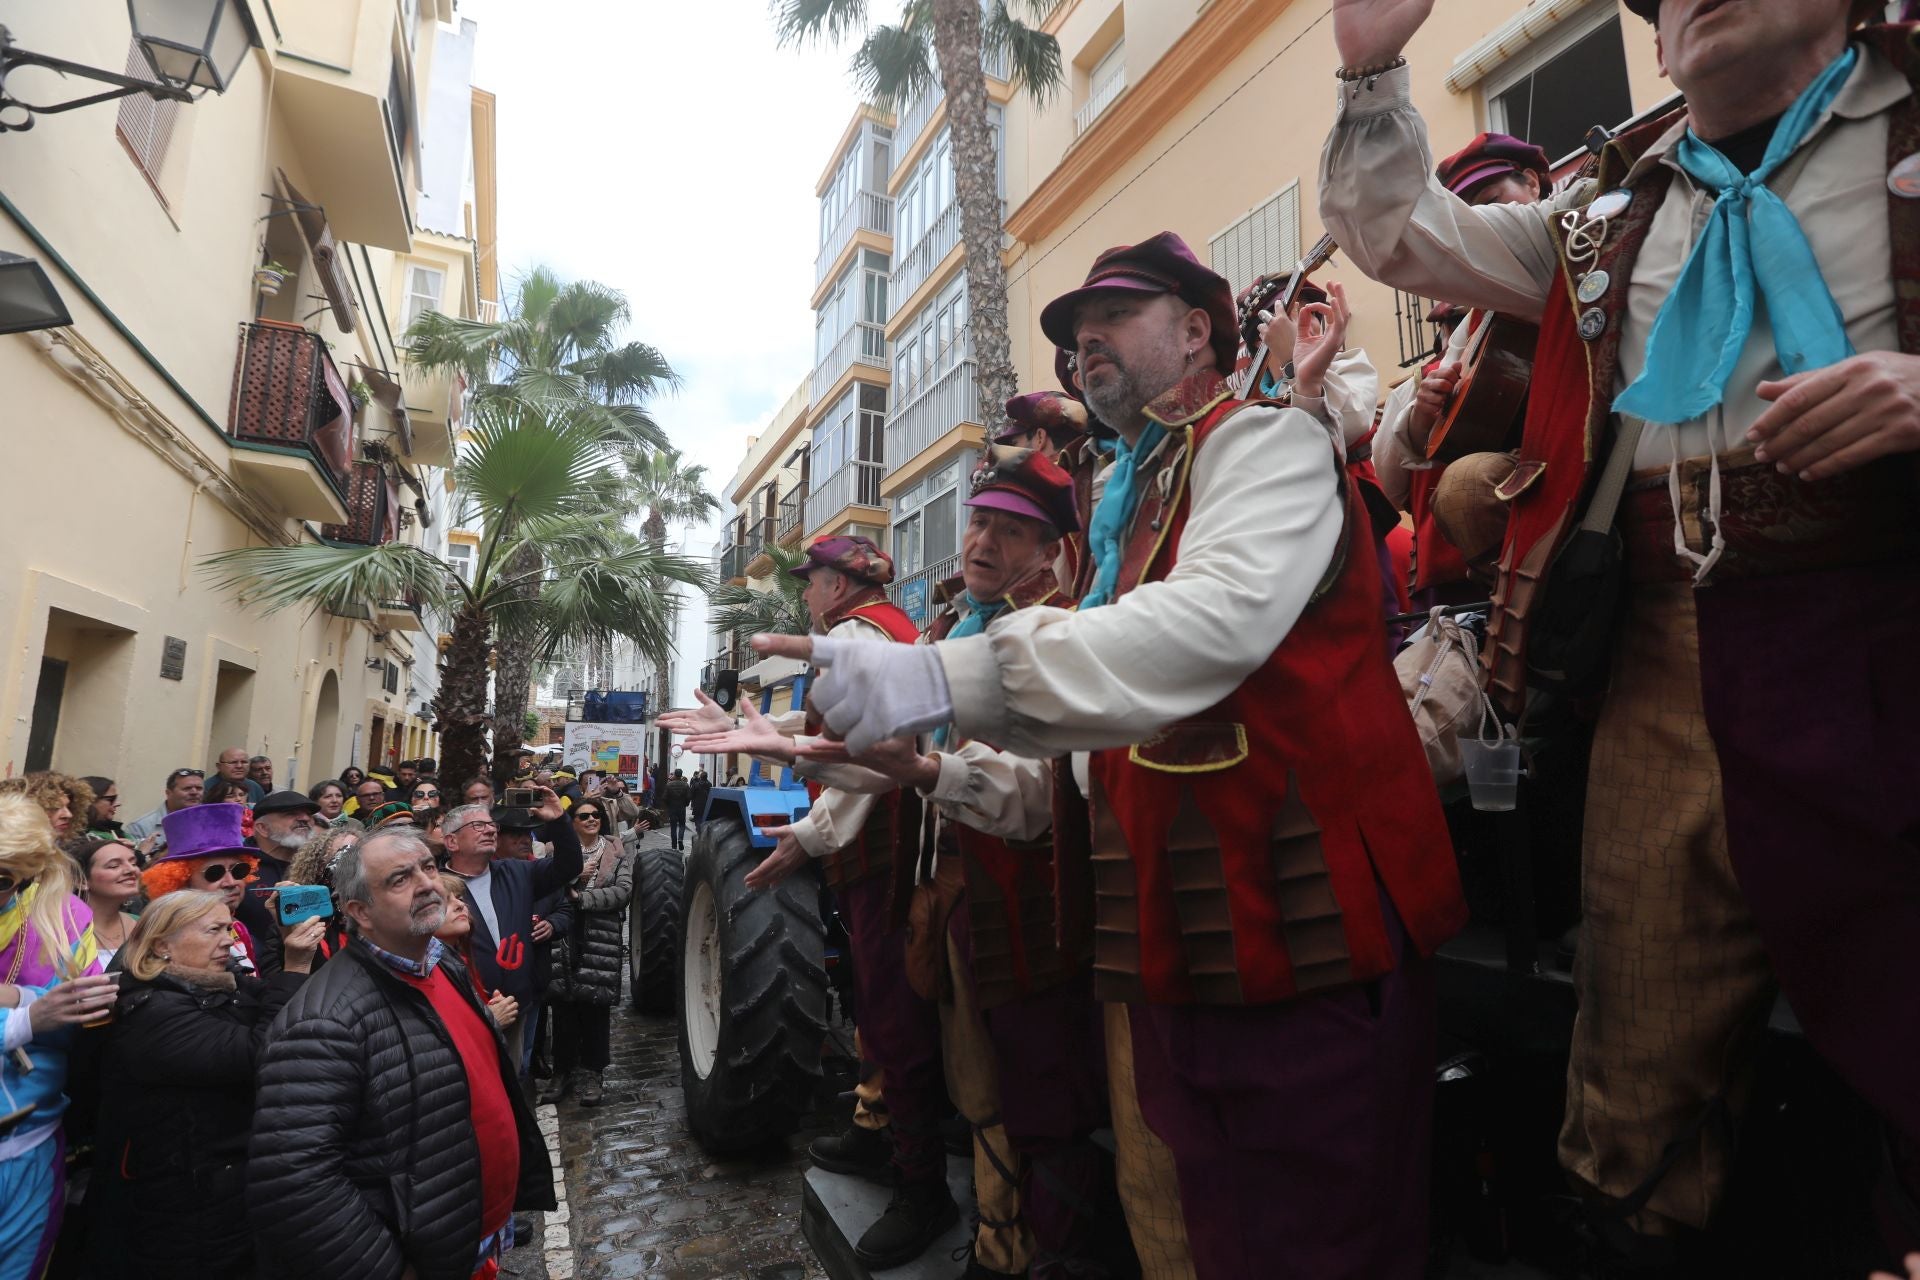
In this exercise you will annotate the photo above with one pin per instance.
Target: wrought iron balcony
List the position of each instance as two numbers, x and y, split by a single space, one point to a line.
855 484
793 512
291 412
733 563
911 269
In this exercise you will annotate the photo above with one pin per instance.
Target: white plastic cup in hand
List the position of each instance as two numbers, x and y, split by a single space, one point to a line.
1493 773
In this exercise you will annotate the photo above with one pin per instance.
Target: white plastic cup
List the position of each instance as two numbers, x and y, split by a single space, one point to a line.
1493 774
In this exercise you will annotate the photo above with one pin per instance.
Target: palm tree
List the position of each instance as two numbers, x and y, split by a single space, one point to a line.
672 493
945 40
556 345
535 476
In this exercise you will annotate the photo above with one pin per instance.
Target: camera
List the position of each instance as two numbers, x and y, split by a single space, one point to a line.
524 797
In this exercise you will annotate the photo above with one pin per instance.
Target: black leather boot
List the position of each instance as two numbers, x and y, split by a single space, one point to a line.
863 1153
916 1216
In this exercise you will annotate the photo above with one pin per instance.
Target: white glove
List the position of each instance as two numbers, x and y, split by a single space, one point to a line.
879 689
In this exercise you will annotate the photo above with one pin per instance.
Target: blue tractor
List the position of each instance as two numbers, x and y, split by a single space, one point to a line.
754 987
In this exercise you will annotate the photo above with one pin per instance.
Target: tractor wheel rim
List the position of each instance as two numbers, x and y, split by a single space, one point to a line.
702 974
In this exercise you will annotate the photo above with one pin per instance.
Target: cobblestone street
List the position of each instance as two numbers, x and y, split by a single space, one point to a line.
643 1199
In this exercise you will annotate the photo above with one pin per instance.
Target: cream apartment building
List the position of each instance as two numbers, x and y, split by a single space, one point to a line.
200 402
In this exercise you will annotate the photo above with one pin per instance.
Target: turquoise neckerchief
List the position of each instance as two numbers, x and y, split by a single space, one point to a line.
1703 325
1118 502
978 614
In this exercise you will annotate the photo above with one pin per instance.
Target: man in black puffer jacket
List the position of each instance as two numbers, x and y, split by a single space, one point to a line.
389 1136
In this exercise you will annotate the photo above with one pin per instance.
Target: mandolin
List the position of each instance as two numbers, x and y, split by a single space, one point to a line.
1273 294
1491 395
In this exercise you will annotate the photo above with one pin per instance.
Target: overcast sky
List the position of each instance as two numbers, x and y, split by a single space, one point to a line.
671 151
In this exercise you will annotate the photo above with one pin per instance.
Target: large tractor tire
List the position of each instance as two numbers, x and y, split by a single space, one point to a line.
754 1006
653 931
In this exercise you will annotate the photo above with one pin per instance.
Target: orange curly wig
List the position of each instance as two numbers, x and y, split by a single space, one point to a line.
164 877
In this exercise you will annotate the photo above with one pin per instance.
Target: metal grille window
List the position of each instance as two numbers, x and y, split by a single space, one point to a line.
1265 241
1420 340
146 124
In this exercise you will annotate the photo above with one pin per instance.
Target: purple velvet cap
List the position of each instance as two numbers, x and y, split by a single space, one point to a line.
1163 264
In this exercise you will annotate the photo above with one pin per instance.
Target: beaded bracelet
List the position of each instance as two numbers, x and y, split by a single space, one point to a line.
1374 72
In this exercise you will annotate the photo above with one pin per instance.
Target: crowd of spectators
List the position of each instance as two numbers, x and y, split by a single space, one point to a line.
230 1021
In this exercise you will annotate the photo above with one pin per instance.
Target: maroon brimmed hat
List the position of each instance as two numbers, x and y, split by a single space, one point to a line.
1058 414
1163 264
1489 156
852 555
1025 482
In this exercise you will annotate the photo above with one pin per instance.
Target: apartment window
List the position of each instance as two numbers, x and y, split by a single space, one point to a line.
1564 85
926 521
392 682
1265 241
146 124
460 555
425 286
1104 83
399 110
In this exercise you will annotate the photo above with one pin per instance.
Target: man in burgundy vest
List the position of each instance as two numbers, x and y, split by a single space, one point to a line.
1760 706
1055 423
1021 1031
1269 860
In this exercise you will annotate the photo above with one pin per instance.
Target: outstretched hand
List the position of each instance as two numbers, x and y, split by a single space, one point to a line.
896 759
707 717
1911 1262
1371 32
755 736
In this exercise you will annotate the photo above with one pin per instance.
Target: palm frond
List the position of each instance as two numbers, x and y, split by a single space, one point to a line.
1033 55
341 579
584 318
545 383
894 66
632 371
523 461
825 21
440 343
780 611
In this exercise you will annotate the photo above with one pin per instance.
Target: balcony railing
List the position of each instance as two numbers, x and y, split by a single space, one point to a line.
733 563
1097 101
868 211
945 403
911 269
287 393
920 110
793 511
760 535
373 508
915 592
865 343
855 484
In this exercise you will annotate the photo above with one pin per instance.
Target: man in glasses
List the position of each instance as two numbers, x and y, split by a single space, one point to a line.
184 787
501 893
234 764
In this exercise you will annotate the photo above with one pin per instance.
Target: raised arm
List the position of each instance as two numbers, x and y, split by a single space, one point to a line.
1380 200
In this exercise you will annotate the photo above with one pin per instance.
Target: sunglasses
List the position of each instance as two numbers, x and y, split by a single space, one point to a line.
587 817
178 774
9 881
214 873
425 793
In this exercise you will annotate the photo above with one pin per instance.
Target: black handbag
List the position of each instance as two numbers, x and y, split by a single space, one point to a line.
1572 634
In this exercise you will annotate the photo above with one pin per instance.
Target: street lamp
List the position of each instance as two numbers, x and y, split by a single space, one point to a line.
27 297
192 46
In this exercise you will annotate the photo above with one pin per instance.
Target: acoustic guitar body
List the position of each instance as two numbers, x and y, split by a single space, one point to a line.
1491 396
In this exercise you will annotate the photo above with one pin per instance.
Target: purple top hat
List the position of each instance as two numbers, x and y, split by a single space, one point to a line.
204 831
